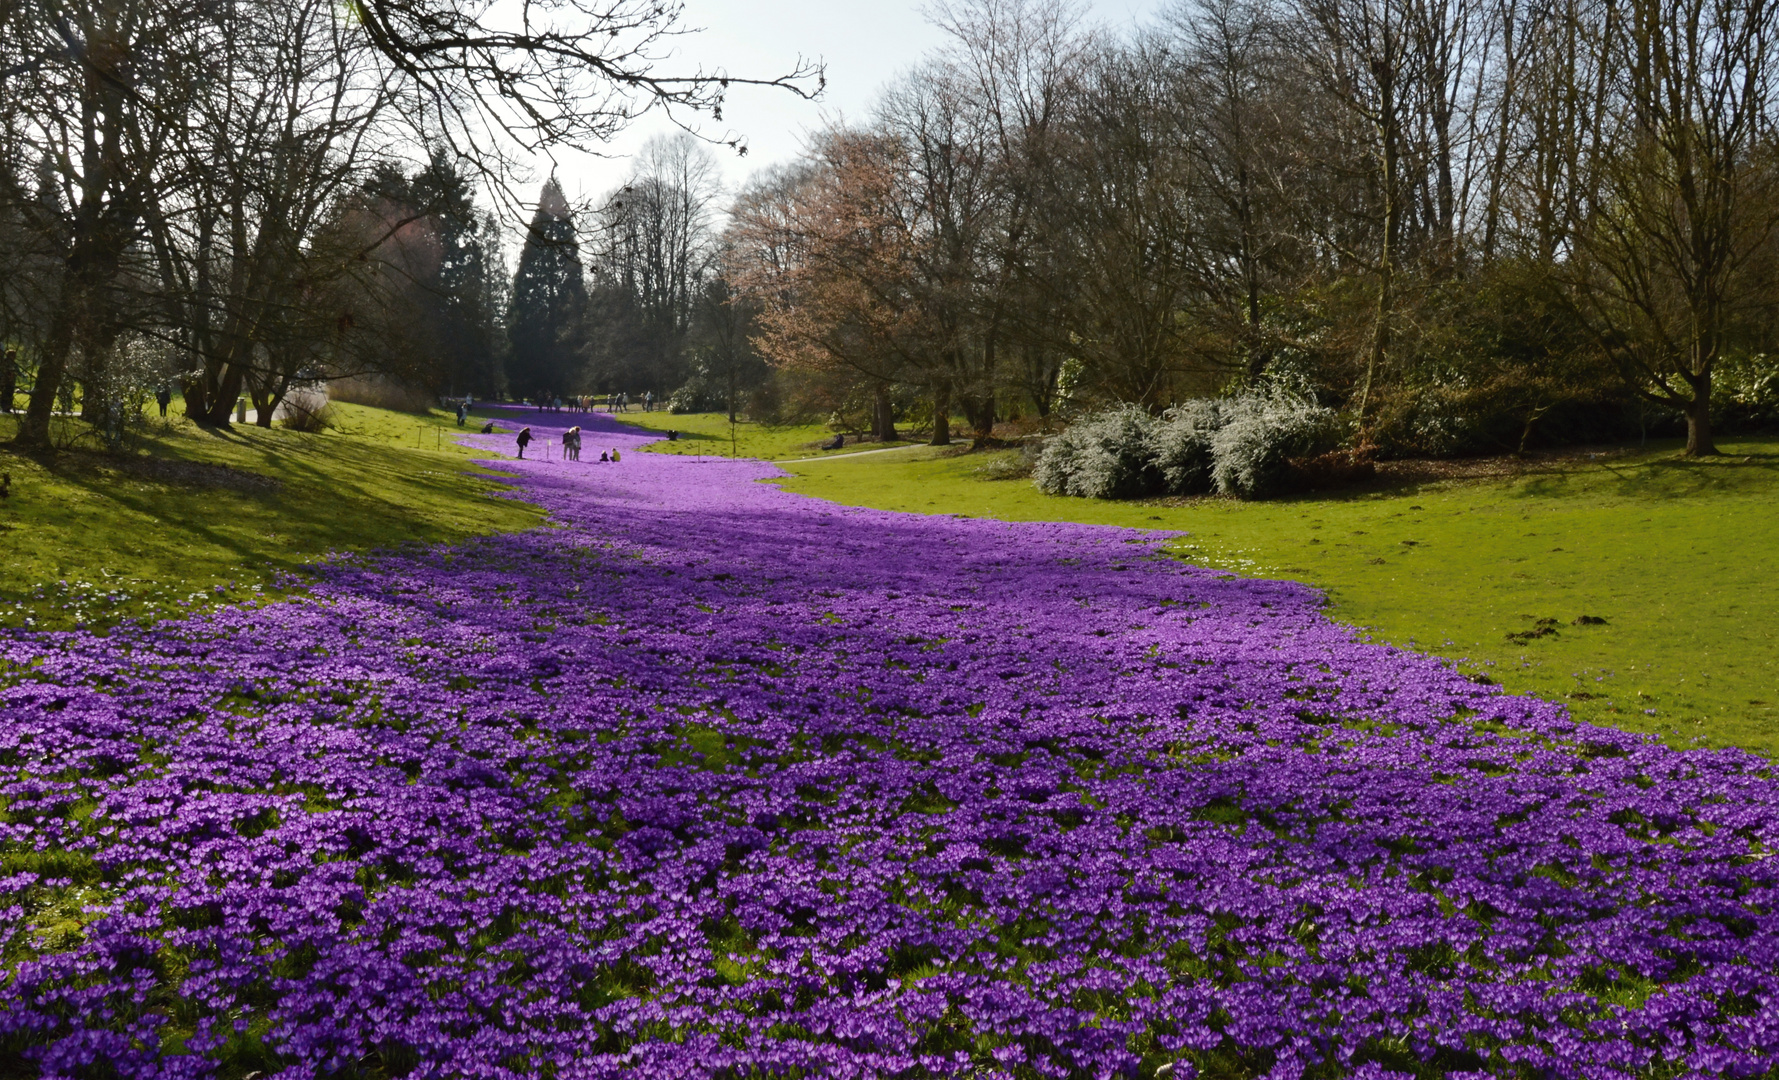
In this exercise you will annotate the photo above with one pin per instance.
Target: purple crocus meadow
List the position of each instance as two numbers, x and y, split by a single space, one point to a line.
709 780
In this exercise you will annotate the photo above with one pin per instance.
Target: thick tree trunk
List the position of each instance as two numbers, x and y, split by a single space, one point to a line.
222 406
197 403
981 411
52 369
883 417
941 413
9 382
1699 441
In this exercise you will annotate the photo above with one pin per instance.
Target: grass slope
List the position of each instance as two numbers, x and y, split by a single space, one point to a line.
708 433
192 516
1679 557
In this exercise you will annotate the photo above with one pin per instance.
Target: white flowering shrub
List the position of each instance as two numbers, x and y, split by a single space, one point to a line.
1183 446
1246 446
1109 455
1261 435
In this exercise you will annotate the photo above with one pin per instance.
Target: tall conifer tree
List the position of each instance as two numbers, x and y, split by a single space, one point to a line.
549 298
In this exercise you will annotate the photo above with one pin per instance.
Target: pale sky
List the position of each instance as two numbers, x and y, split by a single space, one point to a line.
864 44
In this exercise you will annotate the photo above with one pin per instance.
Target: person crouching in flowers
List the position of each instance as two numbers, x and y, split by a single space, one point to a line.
524 441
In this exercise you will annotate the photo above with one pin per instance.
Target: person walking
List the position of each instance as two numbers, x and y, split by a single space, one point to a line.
571 443
524 441
462 411
648 401
163 396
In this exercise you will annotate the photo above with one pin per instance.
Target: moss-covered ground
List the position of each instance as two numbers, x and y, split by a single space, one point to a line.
1504 573
186 516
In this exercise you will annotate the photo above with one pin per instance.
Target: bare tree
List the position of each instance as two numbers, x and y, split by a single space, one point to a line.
284 128
1362 52
198 148
95 93
654 250
1681 193
1015 62
538 74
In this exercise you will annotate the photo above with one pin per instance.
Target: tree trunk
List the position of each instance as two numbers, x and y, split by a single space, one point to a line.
883 417
222 407
981 411
1258 356
197 403
941 413
1699 442
1389 165
52 369
1380 337
9 381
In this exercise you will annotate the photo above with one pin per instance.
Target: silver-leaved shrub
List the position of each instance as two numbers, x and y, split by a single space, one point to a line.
1261 435
1109 455
1242 446
1183 446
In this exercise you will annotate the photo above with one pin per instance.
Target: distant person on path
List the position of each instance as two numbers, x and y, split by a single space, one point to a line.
462 412
9 379
648 401
163 396
524 441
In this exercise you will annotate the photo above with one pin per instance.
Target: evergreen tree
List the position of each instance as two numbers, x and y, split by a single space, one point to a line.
467 324
549 297
451 279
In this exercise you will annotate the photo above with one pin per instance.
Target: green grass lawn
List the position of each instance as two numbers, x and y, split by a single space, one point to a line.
188 516
708 433
1681 558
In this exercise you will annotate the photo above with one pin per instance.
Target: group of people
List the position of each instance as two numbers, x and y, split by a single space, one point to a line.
621 402
571 445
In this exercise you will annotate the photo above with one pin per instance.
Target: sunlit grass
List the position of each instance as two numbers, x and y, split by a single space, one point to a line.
187 516
1678 557
711 433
